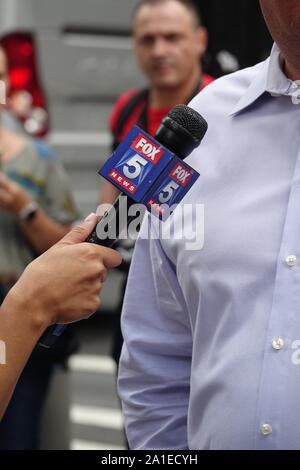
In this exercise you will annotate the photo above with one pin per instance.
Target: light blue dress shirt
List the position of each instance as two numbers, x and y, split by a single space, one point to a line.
211 358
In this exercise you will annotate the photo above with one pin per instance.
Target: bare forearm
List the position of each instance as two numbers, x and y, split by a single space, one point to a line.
61 286
20 329
43 232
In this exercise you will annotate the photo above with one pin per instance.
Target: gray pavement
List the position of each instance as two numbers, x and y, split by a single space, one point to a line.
95 416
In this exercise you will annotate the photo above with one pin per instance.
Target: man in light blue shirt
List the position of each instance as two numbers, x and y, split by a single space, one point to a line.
212 336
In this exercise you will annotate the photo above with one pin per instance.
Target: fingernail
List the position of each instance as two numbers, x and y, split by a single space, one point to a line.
90 217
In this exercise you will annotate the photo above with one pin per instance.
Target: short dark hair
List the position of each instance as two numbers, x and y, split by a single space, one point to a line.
189 5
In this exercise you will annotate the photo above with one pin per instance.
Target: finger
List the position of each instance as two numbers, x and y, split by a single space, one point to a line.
102 275
80 233
110 258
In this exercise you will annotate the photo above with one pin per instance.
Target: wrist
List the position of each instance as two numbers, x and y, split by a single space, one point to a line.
28 212
21 202
31 313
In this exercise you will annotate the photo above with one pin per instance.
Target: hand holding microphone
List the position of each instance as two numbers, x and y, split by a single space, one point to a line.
63 285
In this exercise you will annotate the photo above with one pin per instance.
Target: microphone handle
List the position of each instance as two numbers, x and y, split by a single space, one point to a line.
112 222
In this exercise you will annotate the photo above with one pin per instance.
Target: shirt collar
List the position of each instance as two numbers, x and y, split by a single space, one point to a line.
270 79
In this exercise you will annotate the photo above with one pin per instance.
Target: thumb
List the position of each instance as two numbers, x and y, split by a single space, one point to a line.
80 232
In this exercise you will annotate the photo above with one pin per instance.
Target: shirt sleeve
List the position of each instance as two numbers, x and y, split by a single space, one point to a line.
57 198
154 372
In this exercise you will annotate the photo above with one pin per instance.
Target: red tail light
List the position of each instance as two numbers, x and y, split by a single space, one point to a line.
26 94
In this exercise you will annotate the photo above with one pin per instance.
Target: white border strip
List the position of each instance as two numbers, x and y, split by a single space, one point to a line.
87 139
79 444
89 363
94 416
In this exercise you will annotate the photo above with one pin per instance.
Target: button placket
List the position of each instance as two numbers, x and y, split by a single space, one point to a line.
286 298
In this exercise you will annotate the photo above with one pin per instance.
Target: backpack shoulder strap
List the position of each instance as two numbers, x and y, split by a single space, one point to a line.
126 113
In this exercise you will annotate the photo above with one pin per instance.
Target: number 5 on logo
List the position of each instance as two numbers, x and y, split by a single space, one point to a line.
135 163
167 193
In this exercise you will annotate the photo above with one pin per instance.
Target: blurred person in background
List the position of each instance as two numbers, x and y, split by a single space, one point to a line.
36 210
169 42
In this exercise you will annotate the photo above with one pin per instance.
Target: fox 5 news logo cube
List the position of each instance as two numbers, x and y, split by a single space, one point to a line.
149 173
136 164
170 188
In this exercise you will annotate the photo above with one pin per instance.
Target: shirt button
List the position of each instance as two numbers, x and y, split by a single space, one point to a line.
277 343
266 429
291 260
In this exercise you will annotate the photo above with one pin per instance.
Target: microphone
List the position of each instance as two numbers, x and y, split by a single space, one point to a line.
150 172
180 132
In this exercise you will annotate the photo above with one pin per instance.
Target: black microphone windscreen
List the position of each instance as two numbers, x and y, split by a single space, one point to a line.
182 130
190 120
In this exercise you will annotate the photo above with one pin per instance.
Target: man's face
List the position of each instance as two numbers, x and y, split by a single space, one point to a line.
283 19
168 43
